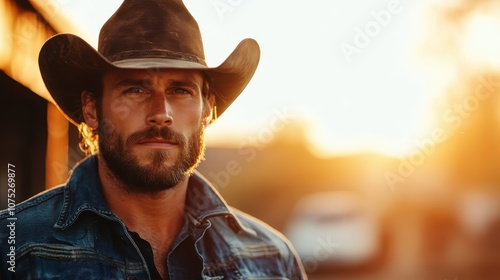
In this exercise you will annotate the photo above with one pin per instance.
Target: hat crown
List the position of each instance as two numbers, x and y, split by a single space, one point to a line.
151 29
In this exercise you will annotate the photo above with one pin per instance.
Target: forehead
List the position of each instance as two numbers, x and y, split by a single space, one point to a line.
115 76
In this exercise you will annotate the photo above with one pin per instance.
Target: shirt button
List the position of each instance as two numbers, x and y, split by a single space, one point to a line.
131 277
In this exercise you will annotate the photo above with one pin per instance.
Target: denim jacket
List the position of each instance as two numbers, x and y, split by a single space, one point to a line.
69 232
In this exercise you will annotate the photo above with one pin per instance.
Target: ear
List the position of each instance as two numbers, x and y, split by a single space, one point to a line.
89 109
209 110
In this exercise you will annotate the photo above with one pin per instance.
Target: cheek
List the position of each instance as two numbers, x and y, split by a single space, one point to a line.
120 116
189 115
123 108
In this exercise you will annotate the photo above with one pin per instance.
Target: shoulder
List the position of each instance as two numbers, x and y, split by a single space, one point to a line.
255 243
37 211
241 230
266 233
261 229
44 198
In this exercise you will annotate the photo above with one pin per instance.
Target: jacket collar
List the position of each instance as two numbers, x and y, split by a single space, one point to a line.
83 193
204 202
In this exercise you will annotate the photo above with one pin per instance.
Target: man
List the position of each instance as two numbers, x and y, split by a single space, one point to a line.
136 209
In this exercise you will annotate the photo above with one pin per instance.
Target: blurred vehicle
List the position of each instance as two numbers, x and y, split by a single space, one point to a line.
336 231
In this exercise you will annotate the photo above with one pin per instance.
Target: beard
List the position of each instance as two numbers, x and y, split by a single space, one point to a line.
155 176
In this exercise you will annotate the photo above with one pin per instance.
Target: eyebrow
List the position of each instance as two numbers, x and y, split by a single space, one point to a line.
143 82
128 82
178 83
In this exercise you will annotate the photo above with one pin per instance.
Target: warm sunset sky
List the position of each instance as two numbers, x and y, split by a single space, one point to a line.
349 69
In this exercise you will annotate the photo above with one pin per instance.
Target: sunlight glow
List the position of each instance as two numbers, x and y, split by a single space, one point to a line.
479 46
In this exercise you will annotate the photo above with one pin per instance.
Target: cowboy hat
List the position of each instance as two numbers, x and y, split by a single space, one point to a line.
141 35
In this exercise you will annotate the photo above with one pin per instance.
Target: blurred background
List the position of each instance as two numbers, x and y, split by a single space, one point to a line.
369 135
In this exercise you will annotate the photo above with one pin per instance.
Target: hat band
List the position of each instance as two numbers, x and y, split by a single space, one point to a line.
155 54
145 63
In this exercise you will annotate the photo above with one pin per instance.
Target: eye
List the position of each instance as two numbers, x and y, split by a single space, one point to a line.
180 91
134 90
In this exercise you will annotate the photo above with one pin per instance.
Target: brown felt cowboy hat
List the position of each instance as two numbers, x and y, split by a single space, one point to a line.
141 34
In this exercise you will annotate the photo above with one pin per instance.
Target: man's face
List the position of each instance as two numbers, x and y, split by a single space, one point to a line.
151 126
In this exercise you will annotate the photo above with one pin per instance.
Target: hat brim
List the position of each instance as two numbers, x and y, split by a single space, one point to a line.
69 65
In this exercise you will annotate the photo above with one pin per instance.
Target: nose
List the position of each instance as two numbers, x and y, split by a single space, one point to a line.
160 112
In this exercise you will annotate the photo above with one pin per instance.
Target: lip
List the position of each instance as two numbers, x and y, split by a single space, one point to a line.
157 143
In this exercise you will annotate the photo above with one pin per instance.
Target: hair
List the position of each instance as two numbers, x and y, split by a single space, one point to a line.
89 137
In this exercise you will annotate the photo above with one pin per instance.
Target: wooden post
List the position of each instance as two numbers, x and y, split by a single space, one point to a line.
56 161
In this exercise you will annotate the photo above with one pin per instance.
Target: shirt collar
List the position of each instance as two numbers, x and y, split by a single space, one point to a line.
83 193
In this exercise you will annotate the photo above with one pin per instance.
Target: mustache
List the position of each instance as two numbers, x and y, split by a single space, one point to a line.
156 132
